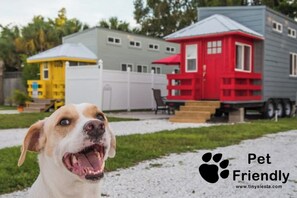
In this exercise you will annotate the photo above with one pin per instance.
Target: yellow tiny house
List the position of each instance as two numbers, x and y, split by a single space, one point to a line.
50 89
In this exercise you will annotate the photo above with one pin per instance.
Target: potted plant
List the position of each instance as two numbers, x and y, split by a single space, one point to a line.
20 99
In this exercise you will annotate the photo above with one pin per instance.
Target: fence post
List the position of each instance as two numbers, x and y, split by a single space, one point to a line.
1 82
100 66
128 88
152 87
67 65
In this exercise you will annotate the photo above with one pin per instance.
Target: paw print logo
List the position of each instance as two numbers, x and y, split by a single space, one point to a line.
211 172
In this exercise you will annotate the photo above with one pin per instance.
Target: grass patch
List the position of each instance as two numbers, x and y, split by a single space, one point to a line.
133 149
24 120
21 120
3 107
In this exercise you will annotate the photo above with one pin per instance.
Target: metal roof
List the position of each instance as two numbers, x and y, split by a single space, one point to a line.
169 60
215 24
66 51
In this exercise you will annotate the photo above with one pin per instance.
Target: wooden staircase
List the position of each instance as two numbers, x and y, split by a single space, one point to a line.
39 105
195 112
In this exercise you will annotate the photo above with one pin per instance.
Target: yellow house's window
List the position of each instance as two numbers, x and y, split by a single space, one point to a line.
45 71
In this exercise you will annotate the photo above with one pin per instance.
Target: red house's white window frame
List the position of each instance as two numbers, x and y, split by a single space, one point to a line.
243 59
293 64
191 55
214 47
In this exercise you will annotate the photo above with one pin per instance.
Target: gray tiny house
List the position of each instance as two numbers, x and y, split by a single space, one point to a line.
240 56
120 50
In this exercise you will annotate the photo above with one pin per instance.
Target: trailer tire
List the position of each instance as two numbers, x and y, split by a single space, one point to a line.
279 106
287 108
269 109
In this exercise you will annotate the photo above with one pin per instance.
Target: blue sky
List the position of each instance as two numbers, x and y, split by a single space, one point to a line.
20 12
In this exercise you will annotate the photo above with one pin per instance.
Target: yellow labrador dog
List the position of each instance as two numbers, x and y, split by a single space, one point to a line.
72 145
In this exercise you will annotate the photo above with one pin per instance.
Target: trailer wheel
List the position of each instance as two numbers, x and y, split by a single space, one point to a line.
280 108
269 109
287 108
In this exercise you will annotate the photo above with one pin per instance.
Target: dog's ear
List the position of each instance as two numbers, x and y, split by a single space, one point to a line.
33 140
112 149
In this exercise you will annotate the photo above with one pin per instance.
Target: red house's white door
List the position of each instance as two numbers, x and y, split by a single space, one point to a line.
211 70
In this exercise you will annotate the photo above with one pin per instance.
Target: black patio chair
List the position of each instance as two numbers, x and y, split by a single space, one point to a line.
160 104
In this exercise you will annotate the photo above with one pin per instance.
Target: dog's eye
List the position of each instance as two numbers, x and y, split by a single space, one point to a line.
100 117
64 122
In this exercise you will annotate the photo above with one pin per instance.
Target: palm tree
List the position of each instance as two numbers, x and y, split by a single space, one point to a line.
115 24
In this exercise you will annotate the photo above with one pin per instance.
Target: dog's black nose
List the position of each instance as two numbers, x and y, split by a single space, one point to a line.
94 129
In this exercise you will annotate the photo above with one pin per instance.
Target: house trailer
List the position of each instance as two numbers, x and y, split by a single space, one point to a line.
239 57
120 51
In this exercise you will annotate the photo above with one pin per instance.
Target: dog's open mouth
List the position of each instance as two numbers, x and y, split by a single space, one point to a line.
88 163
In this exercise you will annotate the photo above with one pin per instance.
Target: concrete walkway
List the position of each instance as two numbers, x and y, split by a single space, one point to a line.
9 112
14 137
142 115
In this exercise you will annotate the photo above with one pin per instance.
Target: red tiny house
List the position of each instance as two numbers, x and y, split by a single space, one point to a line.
219 73
236 67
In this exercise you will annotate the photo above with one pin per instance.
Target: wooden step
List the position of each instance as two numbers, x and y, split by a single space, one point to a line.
187 120
47 101
198 108
39 105
203 103
195 112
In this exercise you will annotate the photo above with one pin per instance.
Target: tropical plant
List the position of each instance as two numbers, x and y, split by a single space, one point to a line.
37 36
20 97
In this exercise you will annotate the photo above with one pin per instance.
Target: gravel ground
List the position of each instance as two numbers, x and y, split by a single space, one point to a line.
177 175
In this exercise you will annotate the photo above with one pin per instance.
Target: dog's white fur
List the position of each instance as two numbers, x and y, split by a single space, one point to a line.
52 142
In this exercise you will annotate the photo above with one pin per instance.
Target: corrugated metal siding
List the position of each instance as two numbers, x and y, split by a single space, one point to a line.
278 46
258 56
115 55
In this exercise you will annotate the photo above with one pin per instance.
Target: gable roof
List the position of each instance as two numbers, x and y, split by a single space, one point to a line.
66 51
215 24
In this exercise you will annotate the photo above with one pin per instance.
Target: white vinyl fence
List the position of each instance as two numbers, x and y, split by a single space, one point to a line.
112 90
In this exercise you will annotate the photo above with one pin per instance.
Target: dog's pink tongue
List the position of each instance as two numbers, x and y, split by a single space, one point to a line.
90 160
83 161
94 160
